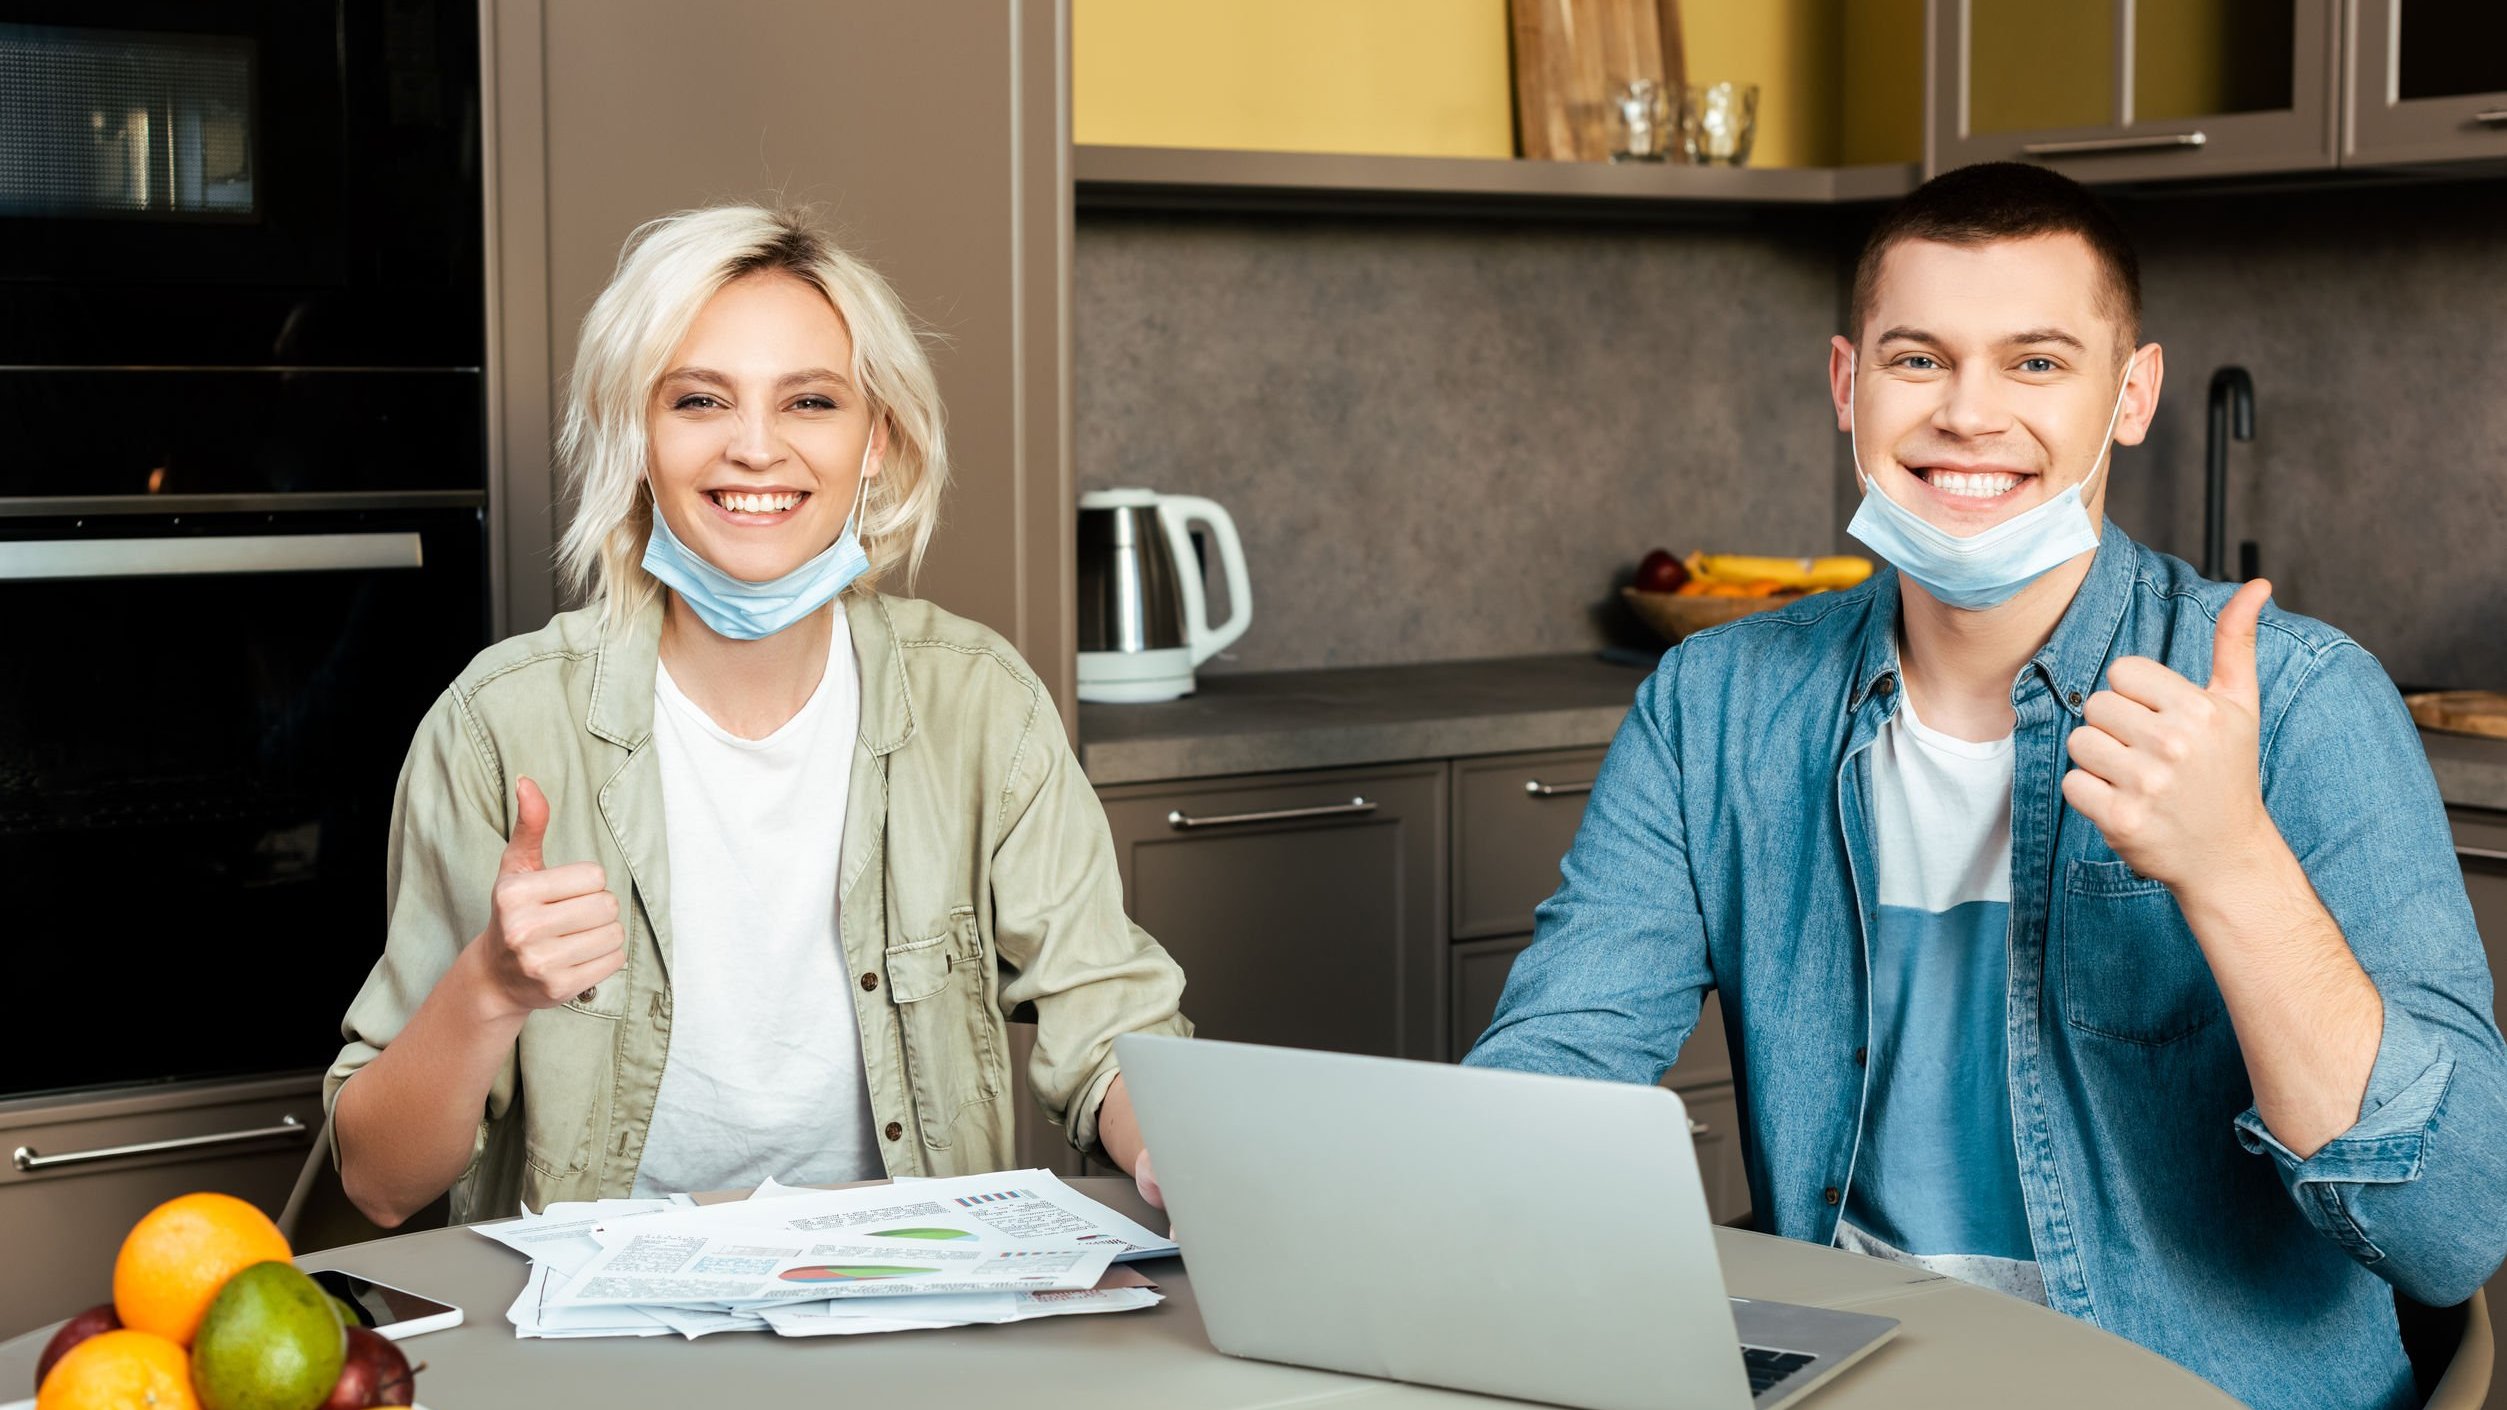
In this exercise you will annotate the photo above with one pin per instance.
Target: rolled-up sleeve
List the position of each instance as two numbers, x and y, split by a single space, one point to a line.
2411 1190
1059 927
1612 982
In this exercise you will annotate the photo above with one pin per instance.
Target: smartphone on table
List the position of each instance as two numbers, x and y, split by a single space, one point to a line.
392 1313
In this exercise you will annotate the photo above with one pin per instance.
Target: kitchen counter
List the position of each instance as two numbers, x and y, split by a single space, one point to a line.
2471 770
1273 721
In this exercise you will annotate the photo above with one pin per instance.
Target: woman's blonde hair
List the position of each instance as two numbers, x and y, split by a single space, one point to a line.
668 270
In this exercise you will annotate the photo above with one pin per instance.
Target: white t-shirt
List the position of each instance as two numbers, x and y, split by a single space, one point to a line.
1936 1177
764 1075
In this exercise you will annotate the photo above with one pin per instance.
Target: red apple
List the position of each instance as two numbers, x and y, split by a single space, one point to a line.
375 1373
99 1318
1660 572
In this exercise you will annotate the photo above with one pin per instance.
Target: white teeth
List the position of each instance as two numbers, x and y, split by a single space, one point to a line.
1983 486
757 503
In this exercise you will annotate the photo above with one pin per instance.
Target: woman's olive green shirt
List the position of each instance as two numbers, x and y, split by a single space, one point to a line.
978 876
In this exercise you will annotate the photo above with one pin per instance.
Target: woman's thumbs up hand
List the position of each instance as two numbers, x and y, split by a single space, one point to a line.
552 932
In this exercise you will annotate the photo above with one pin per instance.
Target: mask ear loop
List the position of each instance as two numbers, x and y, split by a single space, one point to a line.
2106 447
861 486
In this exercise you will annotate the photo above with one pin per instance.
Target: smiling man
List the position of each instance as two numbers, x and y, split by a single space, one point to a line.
2084 929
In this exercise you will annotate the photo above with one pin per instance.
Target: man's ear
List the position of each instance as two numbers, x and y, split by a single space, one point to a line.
1841 355
2141 395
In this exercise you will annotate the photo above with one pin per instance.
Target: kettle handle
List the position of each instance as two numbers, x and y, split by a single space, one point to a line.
1177 512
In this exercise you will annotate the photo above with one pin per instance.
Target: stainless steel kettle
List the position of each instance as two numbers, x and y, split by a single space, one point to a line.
1144 621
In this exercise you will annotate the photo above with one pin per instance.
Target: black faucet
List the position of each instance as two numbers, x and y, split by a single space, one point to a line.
2232 395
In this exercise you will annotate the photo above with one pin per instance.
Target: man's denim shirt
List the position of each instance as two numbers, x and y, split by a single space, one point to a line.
1728 844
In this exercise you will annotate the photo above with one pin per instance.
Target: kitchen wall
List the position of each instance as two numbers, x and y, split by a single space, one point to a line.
1442 440
2374 320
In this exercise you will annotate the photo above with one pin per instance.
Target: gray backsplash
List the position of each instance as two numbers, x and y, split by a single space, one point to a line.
1442 440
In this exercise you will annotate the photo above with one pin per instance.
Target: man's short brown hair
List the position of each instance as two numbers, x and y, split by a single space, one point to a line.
1977 205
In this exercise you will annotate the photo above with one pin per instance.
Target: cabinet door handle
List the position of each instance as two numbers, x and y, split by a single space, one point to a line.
2098 146
1699 1130
2494 116
2480 854
26 1158
1539 789
1185 822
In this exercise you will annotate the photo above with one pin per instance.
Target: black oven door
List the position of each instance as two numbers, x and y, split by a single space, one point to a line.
240 183
200 730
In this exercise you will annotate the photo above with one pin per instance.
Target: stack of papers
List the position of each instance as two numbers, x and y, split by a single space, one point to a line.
905 1256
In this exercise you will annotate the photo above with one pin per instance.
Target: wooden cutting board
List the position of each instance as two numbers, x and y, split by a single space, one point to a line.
1568 56
2461 711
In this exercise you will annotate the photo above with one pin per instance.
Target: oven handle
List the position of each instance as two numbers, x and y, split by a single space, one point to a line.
47 559
27 1159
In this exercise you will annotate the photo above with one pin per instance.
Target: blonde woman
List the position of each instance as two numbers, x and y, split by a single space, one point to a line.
736 871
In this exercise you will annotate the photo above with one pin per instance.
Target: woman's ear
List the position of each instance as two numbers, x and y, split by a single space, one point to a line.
878 447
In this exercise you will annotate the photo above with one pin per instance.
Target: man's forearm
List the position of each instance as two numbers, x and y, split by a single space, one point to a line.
2308 1018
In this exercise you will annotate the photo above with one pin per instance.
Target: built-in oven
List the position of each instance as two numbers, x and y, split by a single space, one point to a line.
279 183
243 509
207 707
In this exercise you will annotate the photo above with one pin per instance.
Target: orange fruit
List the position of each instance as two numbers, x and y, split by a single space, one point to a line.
180 1253
120 1370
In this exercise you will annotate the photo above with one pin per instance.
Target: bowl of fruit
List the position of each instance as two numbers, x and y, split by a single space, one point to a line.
209 1314
1680 596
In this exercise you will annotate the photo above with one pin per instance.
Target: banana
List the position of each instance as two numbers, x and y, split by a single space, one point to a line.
1809 574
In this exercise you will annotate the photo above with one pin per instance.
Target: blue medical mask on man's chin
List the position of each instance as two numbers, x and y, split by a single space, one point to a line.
746 611
1984 569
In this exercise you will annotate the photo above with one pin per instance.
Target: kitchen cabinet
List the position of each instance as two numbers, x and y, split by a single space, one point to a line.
2135 90
1515 816
933 137
82 1171
2481 845
1306 909
2425 82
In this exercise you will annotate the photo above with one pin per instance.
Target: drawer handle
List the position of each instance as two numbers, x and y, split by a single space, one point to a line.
25 1158
2494 116
1699 1130
1539 789
2097 146
1185 822
2480 854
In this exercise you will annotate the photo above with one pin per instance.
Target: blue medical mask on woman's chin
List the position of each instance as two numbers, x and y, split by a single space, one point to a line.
1985 569
746 611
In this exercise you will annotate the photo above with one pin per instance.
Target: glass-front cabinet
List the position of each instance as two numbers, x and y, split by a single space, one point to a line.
2427 81
2136 90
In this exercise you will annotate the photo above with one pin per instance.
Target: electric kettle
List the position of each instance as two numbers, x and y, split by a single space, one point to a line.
1144 621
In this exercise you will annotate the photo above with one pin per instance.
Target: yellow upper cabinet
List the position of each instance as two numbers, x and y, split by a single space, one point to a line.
1393 77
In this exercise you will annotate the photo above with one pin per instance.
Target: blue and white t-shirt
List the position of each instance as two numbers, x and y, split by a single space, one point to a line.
1936 1179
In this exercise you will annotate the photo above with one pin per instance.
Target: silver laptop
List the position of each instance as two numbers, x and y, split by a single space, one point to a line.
1538 1237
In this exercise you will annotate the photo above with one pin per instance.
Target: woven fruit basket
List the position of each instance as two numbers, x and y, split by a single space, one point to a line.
1674 615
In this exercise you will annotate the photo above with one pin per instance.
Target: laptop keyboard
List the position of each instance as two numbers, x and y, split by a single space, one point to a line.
1768 1366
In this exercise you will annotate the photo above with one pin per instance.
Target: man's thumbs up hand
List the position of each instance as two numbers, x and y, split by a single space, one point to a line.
553 932
2167 769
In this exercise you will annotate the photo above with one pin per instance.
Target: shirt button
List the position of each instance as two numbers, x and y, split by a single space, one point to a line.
1829 1194
2074 697
869 982
895 1130
1861 1056
1888 685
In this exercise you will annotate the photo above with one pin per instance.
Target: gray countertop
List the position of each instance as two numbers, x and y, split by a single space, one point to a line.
1276 721
2471 770
1272 721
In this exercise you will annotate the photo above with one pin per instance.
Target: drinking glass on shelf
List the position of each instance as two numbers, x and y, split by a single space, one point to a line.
1640 121
1717 121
